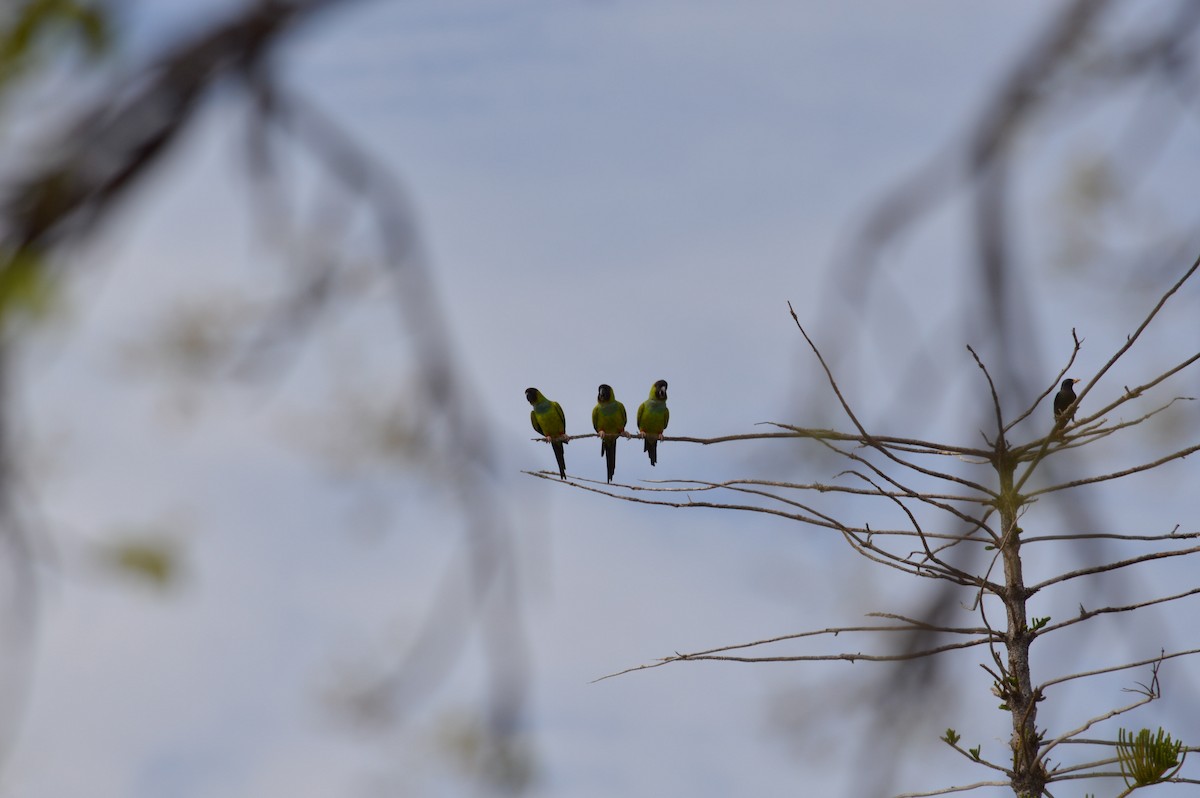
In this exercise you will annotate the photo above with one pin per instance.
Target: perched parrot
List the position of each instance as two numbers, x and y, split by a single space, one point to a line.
548 420
1063 400
608 419
652 418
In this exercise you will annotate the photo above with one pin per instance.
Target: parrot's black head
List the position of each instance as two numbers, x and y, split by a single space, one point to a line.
660 390
531 395
1069 385
604 394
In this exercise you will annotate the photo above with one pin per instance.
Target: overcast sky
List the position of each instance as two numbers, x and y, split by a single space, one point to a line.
607 192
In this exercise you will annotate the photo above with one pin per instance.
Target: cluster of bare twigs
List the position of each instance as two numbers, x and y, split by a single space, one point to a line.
942 509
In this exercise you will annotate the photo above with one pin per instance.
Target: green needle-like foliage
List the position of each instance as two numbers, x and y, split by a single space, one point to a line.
1145 760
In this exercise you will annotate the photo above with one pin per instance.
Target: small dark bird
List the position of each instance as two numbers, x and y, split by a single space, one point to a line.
1063 400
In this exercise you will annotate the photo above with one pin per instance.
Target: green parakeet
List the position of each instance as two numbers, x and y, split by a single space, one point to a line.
608 419
548 420
652 418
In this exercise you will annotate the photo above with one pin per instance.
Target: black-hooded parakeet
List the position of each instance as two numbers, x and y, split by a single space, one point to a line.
608 419
1063 400
548 420
652 418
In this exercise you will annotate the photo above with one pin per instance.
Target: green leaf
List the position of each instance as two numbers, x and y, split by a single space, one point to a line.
25 284
151 560
27 32
1146 760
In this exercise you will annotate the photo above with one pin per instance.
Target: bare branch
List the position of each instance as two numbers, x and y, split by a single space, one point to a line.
1135 392
1113 566
580 483
918 495
1044 445
1086 614
944 568
1132 339
950 790
867 438
1077 344
1115 668
977 759
932 627
821 487
1112 536
1090 722
1084 436
845 657
995 397
861 543
806 433
1179 455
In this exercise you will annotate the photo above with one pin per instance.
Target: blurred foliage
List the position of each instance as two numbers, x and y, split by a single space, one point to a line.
34 28
503 761
150 558
197 339
26 286
367 429
30 33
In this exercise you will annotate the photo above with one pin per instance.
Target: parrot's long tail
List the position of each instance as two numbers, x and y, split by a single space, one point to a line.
651 449
610 451
562 461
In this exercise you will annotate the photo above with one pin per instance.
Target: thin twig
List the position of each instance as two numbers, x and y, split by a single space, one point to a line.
1179 455
1086 614
1115 668
1112 566
949 790
844 657
867 438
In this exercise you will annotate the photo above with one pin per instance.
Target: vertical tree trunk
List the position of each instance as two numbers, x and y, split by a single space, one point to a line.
1029 777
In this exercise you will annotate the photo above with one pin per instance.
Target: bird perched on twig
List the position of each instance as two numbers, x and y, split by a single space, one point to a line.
608 419
1063 401
548 421
652 418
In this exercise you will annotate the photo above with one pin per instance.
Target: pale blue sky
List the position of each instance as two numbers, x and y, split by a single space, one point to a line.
607 192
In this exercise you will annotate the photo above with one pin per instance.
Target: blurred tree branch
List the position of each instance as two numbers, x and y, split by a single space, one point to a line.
115 147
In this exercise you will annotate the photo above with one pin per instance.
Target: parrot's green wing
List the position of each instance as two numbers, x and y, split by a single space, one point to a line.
596 418
652 417
562 418
548 419
624 417
536 426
